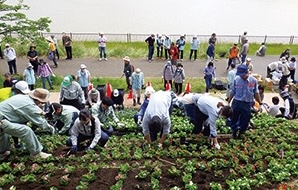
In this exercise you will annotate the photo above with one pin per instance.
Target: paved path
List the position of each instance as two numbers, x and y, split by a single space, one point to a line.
114 67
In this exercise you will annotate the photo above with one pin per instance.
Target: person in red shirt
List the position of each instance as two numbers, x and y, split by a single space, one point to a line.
173 53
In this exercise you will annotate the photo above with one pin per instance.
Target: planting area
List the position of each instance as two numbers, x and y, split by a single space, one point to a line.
265 158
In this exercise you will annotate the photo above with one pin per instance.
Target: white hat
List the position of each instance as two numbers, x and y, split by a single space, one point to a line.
126 58
149 90
22 86
29 65
138 70
7 44
83 66
101 33
248 59
116 93
49 39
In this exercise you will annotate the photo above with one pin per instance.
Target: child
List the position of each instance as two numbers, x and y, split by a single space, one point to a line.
274 109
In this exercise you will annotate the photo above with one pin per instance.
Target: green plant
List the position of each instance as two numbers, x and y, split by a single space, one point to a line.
64 180
174 171
28 178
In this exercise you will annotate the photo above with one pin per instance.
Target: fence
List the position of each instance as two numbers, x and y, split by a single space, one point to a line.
203 38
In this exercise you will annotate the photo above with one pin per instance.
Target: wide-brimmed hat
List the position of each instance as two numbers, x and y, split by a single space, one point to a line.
83 66
138 70
29 65
40 94
32 46
242 70
22 86
126 58
67 80
248 59
49 39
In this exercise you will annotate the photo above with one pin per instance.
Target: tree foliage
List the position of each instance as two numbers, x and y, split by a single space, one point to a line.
15 23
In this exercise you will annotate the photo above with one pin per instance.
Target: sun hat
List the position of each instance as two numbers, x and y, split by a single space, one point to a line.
7 45
138 70
284 94
22 86
49 39
126 58
67 81
29 65
242 70
40 94
149 90
116 93
83 66
101 33
248 59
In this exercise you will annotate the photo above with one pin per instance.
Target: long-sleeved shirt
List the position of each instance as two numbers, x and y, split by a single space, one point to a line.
93 97
66 40
79 128
179 75
137 80
167 43
66 117
44 70
10 54
244 49
159 105
72 92
210 51
168 71
29 76
194 45
103 114
210 71
150 41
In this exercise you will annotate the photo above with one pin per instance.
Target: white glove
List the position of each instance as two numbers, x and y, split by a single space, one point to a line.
53 75
120 124
139 122
214 78
52 129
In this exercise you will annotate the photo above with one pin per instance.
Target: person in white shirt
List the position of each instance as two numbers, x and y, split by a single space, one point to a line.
274 109
231 77
102 42
11 58
262 50
271 67
292 67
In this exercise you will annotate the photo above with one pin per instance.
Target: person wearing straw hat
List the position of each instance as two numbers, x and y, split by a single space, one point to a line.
52 51
137 82
127 70
11 58
29 76
16 111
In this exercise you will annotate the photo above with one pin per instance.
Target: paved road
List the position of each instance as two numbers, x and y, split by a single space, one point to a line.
113 67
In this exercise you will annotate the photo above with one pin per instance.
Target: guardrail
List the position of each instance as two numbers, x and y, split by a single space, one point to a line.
203 38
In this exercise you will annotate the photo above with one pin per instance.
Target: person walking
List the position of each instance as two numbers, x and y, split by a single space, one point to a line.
29 76
84 78
56 46
52 51
102 43
167 46
179 77
244 92
137 82
150 42
44 71
244 50
233 55
32 55
209 72
194 45
67 43
11 58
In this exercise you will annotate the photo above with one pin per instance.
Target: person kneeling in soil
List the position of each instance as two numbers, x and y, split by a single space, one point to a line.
157 117
63 116
85 128
210 108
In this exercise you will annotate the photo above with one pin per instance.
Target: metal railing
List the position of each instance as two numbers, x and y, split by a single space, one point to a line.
203 38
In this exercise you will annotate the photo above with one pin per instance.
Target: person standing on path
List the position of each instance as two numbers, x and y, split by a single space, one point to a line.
179 78
32 55
67 42
150 42
159 46
243 38
244 50
180 44
173 54
167 46
52 51
127 71
84 77
244 92
168 74
11 58
194 45
102 43
231 78
209 73
56 46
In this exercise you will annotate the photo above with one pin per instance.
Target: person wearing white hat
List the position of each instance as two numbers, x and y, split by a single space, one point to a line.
249 65
84 78
66 41
29 76
194 45
137 82
102 43
21 109
11 58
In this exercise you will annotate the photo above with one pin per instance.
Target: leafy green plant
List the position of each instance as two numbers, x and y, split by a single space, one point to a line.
89 177
174 171
28 178
64 180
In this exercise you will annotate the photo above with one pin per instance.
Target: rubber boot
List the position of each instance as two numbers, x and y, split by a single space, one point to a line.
139 102
134 102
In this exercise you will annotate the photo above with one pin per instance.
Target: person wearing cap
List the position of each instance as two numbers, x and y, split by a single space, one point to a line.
167 46
209 109
105 111
29 76
244 50
32 56
84 78
180 43
56 45
249 65
289 110
159 45
244 92
127 71
138 117
194 45
63 116
150 42
231 77
8 81
233 55
179 78
67 42
102 44
11 58
285 71
157 117
71 93
137 82
52 51
118 99
44 72
262 50
93 97
20 109
86 127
